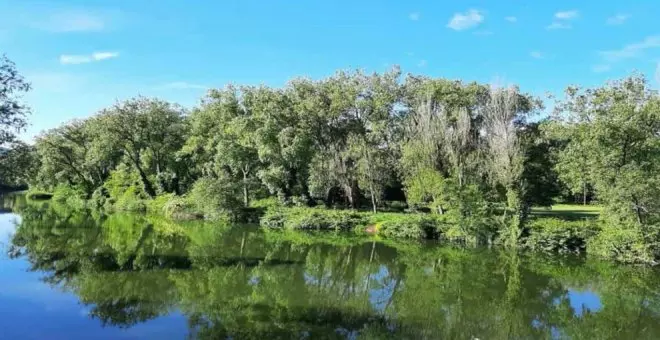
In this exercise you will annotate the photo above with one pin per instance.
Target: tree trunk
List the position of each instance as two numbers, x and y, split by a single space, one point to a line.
584 193
349 196
246 194
373 199
242 244
148 187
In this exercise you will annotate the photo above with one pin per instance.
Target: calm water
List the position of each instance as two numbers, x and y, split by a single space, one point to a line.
65 275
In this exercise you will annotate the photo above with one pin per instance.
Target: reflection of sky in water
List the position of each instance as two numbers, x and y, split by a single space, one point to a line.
7 225
32 309
583 301
381 288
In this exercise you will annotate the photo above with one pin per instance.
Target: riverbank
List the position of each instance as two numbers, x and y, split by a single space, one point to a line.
559 229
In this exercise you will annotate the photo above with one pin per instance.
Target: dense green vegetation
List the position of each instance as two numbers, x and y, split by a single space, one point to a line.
239 282
16 158
462 159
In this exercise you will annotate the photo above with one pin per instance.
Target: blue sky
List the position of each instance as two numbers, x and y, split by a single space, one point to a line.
83 55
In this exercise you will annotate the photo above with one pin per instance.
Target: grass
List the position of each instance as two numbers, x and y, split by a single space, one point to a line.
568 211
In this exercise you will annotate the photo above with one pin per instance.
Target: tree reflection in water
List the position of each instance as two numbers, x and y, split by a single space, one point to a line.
242 282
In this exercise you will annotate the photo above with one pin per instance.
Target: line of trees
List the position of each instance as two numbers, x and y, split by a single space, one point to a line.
357 140
352 139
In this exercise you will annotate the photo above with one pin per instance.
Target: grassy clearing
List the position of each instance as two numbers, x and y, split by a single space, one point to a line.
569 212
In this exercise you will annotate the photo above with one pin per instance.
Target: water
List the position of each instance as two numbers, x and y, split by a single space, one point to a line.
65 275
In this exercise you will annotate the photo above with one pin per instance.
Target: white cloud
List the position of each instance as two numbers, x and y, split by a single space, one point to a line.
463 21
182 85
567 15
104 55
511 19
70 59
657 73
600 68
74 59
70 21
414 16
631 50
422 63
536 54
558 26
618 19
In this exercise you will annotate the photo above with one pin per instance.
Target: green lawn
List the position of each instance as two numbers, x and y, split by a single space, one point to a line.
568 211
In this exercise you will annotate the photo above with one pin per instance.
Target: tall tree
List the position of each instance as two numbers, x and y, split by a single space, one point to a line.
149 132
223 139
613 130
503 112
12 112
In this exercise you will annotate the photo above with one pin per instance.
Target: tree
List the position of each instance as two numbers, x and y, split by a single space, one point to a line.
76 154
149 132
503 112
539 173
223 139
613 137
18 165
12 112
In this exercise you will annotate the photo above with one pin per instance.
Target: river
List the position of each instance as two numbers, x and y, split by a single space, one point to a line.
72 275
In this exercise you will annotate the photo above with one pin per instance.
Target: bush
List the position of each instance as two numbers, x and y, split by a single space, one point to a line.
311 219
100 199
215 198
131 200
69 196
624 244
410 226
555 235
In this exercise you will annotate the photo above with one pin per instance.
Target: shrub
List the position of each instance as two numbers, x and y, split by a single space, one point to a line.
100 198
131 200
215 198
299 218
555 235
410 226
72 197
623 244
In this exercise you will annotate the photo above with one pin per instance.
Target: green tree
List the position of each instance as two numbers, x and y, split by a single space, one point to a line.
613 130
12 112
18 165
149 132
76 154
223 139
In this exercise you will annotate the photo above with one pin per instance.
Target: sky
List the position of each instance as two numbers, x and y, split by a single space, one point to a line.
84 55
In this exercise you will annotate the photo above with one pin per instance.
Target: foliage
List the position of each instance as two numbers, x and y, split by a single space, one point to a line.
555 235
245 283
18 164
464 151
72 197
215 198
311 219
627 245
408 226
12 112
614 130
